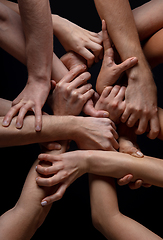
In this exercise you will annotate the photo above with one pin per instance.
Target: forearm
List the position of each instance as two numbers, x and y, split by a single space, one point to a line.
148 18
37 25
11 5
55 128
22 221
5 106
121 27
117 165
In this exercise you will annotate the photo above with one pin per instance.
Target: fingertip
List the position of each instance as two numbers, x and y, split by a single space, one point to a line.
5 123
19 125
44 203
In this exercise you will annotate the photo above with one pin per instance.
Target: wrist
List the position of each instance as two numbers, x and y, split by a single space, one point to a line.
56 23
77 128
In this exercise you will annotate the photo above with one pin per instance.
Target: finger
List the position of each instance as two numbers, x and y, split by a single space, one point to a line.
22 112
106 39
134 117
83 89
80 80
91 111
127 64
51 146
126 115
49 157
51 181
146 185
49 170
125 180
38 118
114 91
11 113
115 134
143 124
154 127
84 52
121 94
96 37
115 144
95 48
73 73
106 91
55 197
87 95
133 151
136 185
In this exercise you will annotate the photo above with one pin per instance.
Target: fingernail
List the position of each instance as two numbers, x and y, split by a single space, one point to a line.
58 147
18 125
38 129
5 123
44 203
106 115
140 154
129 178
36 168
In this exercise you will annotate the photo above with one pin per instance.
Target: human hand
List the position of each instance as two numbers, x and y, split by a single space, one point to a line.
96 133
141 104
112 101
110 71
65 169
74 38
32 98
71 93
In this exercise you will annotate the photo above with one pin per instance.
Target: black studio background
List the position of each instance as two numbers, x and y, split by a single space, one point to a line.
71 216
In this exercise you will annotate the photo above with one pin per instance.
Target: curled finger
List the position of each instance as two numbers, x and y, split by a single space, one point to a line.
11 113
49 170
22 112
54 197
51 181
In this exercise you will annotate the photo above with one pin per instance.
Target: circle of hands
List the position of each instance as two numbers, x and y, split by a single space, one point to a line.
72 95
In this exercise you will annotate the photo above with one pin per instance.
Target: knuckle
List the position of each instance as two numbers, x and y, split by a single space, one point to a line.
49 182
58 196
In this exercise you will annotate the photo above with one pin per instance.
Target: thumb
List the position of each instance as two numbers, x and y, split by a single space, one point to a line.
127 64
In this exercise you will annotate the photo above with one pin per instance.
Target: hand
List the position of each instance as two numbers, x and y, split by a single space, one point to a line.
96 133
141 103
110 71
112 101
65 169
71 93
79 40
32 98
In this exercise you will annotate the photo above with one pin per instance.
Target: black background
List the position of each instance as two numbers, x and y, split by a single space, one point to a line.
71 216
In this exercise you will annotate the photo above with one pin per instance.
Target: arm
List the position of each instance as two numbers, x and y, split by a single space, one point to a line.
5 106
22 221
12 5
39 35
123 32
148 18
